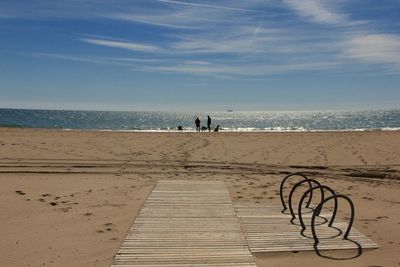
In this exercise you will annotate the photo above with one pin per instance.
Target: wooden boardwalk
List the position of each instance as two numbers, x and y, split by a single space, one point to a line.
268 230
185 223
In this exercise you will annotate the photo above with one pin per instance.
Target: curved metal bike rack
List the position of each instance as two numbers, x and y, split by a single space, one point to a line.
330 224
315 185
319 208
297 185
284 207
346 234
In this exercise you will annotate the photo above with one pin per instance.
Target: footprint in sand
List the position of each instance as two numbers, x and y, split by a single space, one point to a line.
66 209
382 217
21 193
368 198
107 228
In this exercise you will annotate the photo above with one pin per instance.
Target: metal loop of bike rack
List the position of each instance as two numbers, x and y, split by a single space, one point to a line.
319 208
284 207
346 234
330 224
297 185
316 211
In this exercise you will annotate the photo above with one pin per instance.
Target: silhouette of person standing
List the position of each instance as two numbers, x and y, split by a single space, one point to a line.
197 123
209 123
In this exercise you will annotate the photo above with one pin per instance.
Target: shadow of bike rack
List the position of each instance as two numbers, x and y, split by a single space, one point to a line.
317 210
346 234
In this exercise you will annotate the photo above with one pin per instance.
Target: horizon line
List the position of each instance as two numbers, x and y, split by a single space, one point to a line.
205 111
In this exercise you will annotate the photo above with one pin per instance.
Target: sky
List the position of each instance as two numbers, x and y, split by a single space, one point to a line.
200 55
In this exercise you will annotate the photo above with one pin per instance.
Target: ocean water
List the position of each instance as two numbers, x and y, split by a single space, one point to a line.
229 121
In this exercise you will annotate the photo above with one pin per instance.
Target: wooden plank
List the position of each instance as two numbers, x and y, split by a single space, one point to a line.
186 223
268 230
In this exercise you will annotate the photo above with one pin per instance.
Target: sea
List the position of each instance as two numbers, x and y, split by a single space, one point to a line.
232 121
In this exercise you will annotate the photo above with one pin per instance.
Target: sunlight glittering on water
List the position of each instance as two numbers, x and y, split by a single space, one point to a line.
229 121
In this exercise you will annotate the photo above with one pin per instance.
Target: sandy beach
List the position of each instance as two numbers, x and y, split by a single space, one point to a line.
68 198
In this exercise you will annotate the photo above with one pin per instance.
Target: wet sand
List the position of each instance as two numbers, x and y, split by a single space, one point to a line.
68 198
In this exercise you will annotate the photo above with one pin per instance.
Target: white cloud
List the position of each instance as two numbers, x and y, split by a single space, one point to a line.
132 59
211 69
181 17
123 61
227 37
253 41
208 6
318 11
195 67
70 57
197 62
155 20
122 44
374 48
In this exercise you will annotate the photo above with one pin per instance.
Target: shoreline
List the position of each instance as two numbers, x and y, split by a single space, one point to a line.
250 130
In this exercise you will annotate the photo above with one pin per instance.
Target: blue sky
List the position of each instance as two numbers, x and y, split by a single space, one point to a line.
200 55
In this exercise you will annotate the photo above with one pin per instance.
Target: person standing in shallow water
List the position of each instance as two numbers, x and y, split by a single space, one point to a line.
197 123
209 123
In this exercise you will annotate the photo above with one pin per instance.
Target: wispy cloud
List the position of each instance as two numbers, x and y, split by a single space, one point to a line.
180 18
155 20
123 61
38 9
374 48
208 6
195 67
319 11
124 45
242 70
70 57
355 41
251 41
254 37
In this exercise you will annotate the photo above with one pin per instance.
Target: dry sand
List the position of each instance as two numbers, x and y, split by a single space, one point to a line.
68 198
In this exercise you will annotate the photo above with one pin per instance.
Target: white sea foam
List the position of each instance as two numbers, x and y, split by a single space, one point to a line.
255 130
